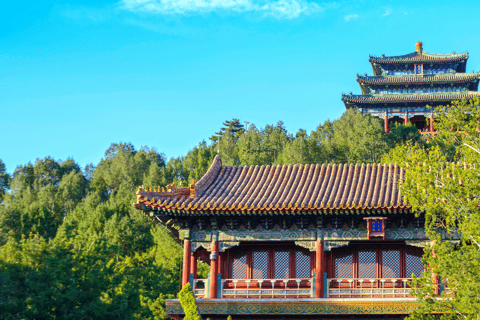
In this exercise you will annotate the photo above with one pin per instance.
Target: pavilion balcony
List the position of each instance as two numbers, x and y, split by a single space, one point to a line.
299 288
303 289
368 288
375 288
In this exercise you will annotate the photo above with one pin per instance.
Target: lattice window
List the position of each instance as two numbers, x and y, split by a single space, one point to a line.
260 265
391 264
239 264
367 264
303 265
413 261
282 264
344 263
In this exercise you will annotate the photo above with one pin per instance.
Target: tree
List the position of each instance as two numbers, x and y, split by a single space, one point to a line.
4 180
359 138
41 196
442 180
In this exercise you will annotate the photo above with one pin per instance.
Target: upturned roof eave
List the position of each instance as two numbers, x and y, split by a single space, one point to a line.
418 79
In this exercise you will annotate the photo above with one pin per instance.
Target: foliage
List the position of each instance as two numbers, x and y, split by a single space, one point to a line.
442 180
4 180
187 300
41 196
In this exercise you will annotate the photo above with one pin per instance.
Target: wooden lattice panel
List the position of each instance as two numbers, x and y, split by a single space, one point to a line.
282 263
239 264
391 264
367 263
344 263
413 261
260 265
303 266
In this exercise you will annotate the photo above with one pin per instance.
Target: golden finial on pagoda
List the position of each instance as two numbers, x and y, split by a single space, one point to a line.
419 46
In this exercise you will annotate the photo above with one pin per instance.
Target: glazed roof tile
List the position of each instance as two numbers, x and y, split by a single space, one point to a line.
419 79
409 97
419 57
287 188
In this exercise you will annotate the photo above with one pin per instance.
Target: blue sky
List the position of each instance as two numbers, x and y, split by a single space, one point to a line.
78 76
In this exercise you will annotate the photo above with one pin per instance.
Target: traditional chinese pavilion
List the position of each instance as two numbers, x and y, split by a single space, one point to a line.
404 88
294 242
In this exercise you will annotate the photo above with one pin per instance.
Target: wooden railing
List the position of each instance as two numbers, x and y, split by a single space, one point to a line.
368 288
302 288
199 287
267 288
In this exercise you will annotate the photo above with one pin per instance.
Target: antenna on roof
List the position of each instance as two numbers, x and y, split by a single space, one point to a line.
218 145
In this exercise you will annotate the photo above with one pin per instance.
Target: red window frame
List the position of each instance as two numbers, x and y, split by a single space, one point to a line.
379 249
271 259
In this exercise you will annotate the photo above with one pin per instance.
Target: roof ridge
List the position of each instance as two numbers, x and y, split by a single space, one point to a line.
202 185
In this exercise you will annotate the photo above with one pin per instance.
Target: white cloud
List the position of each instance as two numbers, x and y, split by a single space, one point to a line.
350 17
388 11
286 9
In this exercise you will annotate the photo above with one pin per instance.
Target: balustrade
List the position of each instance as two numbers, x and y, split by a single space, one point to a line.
302 288
267 288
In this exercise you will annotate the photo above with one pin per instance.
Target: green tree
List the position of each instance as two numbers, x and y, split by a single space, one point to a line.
4 180
359 138
442 181
41 196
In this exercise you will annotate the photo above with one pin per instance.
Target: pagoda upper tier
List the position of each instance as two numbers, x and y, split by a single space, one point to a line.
432 63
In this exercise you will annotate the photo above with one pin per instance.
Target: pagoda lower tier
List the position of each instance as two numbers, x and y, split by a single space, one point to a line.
406 108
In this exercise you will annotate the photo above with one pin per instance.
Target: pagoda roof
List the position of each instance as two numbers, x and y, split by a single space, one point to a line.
419 79
407 97
419 57
283 189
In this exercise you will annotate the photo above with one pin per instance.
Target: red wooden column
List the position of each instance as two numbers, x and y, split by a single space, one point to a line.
385 123
187 251
430 125
319 268
193 265
214 269
406 119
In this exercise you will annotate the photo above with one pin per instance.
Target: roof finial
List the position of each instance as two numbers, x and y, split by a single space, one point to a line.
419 46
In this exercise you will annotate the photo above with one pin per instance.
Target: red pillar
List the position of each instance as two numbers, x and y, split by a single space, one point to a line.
213 270
406 119
320 269
193 265
187 249
385 122
430 125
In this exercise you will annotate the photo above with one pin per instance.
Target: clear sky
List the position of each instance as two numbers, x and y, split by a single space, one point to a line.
77 76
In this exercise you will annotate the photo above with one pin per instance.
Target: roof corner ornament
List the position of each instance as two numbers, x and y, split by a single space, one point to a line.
172 187
192 189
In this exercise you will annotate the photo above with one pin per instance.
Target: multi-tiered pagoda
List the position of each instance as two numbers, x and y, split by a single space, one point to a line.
295 242
405 88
